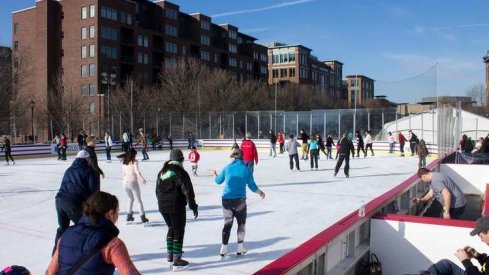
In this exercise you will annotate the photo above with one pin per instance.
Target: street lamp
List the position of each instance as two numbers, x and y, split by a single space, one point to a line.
276 87
33 104
108 80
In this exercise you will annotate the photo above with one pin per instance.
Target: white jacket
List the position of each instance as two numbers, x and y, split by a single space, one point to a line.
108 141
368 139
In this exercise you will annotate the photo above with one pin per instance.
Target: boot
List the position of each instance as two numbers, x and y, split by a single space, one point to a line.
224 250
241 249
144 219
169 259
179 263
129 217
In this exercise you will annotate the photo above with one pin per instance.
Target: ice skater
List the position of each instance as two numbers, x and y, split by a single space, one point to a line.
194 158
174 190
346 146
8 150
273 144
313 148
329 146
130 183
108 145
369 143
422 152
402 141
360 144
144 142
236 177
291 147
305 139
391 141
281 141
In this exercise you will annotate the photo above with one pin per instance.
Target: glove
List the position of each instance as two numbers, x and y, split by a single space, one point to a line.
194 209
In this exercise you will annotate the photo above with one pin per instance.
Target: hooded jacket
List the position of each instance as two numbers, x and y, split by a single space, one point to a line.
174 190
79 182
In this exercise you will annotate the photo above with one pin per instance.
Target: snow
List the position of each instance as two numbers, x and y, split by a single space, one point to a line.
297 206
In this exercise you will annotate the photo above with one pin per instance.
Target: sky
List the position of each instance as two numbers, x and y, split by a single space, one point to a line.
396 43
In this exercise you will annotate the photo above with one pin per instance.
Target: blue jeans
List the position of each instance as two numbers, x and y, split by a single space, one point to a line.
328 150
250 165
66 211
145 155
272 149
445 267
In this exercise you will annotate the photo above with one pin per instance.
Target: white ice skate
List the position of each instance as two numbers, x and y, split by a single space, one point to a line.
224 250
241 249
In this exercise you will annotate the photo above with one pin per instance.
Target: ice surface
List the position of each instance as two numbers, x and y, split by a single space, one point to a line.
297 206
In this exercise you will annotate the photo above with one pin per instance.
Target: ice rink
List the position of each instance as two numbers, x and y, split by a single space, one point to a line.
297 206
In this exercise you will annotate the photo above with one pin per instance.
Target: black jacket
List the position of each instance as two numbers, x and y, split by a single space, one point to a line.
304 138
470 269
94 160
360 140
273 138
175 191
79 182
346 146
329 142
6 146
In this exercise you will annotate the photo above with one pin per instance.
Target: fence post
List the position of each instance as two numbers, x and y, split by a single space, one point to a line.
233 126
258 133
197 126
284 124
271 121
433 127
422 128
220 125
383 120
339 124
144 122
310 122
246 123
120 124
324 124
170 125
476 128
297 125
368 121
210 127
183 127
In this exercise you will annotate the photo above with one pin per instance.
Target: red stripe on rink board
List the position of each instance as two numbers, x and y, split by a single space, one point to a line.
485 208
425 220
308 248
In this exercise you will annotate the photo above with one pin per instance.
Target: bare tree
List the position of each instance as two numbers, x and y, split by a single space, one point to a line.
478 94
5 88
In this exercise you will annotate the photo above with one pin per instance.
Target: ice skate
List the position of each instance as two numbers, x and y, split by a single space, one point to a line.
241 249
179 263
143 219
224 250
129 218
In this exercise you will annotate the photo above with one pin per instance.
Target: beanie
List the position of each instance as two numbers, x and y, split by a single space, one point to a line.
176 154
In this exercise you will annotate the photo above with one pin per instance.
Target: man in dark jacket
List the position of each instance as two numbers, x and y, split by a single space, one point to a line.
346 146
79 182
174 190
90 148
8 150
305 139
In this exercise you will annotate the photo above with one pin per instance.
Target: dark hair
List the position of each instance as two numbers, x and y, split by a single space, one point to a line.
423 171
128 156
98 204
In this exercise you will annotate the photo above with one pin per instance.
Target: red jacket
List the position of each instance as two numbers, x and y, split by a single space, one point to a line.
402 139
249 151
194 156
280 138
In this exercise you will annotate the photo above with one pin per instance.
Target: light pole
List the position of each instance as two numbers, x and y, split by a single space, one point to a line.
100 95
275 115
33 104
355 100
109 80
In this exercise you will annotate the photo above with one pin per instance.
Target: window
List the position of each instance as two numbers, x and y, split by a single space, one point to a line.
84 71
291 72
123 17
233 34
140 58
108 13
283 72
204 55
171 62
84 13
275 73
108 33
146 41
143 41
92 11
91 108
143 58
84 52
256 55
233 62
92 50
263 70
205 25
16 28
92 70
233 48
129 19
83 89
205 40
16 45
171 30
171 13
92 31
91 89
171 47
109 52
83 33
240 40
140 40
264 57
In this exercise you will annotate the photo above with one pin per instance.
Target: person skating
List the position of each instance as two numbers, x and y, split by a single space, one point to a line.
304 139
130 183
422 152
108 146
369 143
391 141
413 141
90 148
273 144
250 154
291 147
346 146
360 144
81 139
174 190
329 146
144 142
313 148
194 158
8 150
63 145
56 140
402 141
235 177
93 239
125 142
281 141
321 146
79 181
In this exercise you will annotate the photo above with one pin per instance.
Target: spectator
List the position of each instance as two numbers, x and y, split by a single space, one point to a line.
468 146
444 190
250 154
291 147
479 145
92 246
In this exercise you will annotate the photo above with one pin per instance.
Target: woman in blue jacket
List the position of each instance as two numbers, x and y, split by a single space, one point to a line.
236 177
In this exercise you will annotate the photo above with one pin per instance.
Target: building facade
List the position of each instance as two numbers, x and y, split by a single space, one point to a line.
68 45
360 89
5 89
296 64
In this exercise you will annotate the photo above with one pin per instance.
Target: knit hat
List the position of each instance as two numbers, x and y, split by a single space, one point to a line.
176 155
82 155
15 270
237 154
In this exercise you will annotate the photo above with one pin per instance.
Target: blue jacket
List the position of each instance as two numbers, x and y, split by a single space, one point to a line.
236 176
79 182
79 239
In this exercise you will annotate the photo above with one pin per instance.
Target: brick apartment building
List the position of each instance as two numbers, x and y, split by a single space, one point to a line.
82 39
5 89
296 64
360 89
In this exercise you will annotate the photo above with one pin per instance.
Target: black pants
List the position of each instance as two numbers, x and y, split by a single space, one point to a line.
281 148
80 146
401 148
66 212
314 158
413 147
346 158
292 158
369 145
176 230
360 147
233 208
107 152
8 154
63 152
